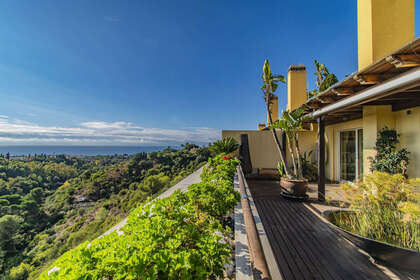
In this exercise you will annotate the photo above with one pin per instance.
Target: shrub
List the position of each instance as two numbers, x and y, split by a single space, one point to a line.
227 145
216 199
387 158
179 237
219 169
388 209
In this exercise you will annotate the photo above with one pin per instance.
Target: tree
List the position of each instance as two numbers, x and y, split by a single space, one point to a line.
291 122
20 272
324 79
10 226
270 85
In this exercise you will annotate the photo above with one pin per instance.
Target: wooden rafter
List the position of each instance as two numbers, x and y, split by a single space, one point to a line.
367 79
342 91
404 60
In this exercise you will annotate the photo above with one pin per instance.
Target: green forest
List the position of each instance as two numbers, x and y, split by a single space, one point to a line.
51 204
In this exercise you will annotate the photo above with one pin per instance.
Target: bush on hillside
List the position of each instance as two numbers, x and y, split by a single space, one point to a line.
179 237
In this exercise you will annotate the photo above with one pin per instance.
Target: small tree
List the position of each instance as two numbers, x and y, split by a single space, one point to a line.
226 145
387 158
324 79
270 84
291 122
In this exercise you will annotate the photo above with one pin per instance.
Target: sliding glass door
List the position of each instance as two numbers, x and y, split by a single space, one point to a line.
351 154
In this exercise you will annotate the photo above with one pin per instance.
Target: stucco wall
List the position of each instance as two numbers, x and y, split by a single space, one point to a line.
262 147
333 146
408 126
263 151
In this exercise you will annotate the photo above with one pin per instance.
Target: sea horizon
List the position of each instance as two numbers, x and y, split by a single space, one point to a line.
78 150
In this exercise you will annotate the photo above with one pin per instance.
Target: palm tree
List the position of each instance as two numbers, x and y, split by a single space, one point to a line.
226 145
270 85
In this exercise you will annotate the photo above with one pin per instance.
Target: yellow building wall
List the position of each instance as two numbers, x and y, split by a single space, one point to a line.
296 87
408 126
383 27
332 133
374 119
262 148
264 153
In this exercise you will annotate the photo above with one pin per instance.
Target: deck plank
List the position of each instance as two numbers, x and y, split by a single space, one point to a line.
305 247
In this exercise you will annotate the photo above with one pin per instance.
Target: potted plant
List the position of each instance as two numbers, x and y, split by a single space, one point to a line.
290 123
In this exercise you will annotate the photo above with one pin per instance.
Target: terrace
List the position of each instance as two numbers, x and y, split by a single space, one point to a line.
298 243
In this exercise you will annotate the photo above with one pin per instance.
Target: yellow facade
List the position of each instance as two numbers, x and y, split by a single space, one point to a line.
262 148
264 153
383 27
296 87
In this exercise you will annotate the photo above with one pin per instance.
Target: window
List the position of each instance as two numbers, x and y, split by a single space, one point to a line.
351 154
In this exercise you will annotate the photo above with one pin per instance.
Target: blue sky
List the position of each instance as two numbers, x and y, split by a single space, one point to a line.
156 72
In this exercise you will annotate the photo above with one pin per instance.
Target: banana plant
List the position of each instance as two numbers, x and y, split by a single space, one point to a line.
291 122
324 79
270 85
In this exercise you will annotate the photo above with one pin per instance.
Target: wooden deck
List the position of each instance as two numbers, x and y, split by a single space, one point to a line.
305 247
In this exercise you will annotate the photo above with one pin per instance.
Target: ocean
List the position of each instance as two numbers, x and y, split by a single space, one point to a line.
78 150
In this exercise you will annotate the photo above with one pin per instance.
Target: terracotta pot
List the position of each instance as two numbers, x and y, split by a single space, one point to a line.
295 187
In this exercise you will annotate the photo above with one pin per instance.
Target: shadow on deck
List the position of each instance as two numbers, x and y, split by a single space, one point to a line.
306 247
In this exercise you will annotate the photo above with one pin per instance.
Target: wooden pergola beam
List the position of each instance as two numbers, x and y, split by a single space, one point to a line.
367 79
404 60
342 91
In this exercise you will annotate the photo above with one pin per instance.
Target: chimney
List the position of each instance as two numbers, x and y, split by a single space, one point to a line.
274 109
296 86
383 26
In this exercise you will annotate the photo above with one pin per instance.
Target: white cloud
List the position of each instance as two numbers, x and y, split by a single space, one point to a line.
20 132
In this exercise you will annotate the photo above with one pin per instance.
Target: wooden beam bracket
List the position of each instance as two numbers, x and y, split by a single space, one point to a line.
404 61
367 79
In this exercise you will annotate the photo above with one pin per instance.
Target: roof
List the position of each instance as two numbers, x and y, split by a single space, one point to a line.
387 68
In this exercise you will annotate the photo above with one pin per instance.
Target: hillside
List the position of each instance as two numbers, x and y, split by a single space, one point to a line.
49 205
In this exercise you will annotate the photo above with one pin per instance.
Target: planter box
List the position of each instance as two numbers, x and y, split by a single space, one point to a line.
398 257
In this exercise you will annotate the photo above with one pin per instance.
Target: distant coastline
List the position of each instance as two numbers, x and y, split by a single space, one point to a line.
79 150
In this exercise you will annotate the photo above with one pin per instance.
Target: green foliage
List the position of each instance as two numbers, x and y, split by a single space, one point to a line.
65 201
227 145
290 123
324 79
20 272
270 80
388 209
309 168
270 84
216 199
280 169
387 158
179 237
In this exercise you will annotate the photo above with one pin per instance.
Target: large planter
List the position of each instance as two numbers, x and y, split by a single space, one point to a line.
397 257
295 187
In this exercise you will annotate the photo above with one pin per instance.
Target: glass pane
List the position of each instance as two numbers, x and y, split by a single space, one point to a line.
348 155
360 152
